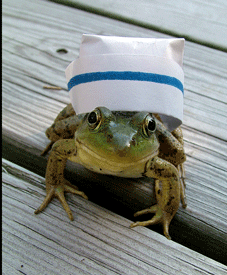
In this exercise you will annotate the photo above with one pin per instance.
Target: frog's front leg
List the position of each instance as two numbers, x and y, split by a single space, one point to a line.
167 189
56 184
64 127
172 150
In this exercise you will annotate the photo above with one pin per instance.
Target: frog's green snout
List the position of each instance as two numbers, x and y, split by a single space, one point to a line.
121 140
123 145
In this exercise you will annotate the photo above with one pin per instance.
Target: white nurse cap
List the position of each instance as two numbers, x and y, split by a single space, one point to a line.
129 74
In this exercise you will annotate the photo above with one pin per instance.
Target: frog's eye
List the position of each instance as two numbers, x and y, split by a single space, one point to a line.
94 119
149 125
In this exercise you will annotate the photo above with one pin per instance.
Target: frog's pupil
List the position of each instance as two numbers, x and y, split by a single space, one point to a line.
151 125
92 118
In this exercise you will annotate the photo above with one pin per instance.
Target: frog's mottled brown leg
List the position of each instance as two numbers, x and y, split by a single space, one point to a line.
178 134
54 132
172 150
167 189
63 127
56 184
66 112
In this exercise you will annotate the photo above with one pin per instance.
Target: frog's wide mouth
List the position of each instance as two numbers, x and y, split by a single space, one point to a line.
115 160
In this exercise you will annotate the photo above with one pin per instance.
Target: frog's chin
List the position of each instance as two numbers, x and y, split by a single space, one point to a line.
113 165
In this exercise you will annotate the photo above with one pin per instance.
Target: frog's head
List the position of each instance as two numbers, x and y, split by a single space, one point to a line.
116 137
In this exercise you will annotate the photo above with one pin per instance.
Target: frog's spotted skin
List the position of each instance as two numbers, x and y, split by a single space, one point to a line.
122 144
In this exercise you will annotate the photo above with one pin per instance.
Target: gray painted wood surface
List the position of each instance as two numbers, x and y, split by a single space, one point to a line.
96 242
201 21
33 33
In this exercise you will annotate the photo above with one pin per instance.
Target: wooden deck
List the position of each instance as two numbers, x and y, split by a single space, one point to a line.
40 38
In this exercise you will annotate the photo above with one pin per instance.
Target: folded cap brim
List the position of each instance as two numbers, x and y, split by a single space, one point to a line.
129 74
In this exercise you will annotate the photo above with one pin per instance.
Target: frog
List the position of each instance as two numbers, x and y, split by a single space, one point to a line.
122 144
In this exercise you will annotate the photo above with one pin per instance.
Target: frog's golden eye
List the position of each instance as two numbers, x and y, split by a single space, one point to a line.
149 125
94 119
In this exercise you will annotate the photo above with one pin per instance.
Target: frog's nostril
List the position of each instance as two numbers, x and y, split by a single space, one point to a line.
133 142
109 137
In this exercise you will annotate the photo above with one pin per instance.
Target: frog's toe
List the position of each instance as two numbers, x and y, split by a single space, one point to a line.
182 185
58 191
152 209
166 229
156 219
74 190
159 217
46 201
183 200
61 196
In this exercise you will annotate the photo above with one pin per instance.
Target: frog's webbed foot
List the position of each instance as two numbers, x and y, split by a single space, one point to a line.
182 185
58 191
56 184
159 217
162 214
167 190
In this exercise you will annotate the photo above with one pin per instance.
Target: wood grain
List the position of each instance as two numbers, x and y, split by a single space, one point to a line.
32 37
96 242
200 21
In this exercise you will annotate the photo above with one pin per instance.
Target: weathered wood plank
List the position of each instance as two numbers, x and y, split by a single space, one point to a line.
96 242
204 93
31 38
199 21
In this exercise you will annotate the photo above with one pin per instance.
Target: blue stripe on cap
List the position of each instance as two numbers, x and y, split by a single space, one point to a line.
125 75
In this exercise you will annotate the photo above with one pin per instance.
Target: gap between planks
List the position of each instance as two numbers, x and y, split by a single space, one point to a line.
96 242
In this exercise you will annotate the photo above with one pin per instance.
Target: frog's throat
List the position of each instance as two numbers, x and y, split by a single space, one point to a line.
83 147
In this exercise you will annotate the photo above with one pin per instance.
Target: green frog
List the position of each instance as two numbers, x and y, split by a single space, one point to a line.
123 144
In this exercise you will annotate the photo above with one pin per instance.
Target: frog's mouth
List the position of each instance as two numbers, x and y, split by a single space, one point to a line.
115 161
